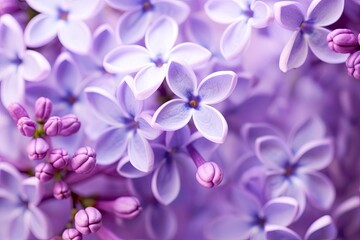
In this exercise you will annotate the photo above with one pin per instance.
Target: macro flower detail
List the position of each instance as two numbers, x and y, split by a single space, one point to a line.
194 100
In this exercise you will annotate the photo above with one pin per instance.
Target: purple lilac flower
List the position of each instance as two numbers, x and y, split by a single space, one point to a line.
194 100
308 31
17 63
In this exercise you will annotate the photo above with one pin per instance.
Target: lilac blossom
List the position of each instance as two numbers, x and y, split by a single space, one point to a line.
242 17
308 31
17 63
194 100
63 19
152 62
139 14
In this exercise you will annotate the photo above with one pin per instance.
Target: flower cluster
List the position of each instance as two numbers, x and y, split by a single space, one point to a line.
179 119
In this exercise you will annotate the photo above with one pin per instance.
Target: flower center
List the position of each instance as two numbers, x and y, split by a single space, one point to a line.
194 102
63 15
288 171
158 62
147 6
306 27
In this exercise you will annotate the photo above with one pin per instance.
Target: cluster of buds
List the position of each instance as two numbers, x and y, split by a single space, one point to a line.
345 41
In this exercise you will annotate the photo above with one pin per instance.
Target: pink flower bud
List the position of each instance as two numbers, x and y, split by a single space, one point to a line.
59 158
71 234
61 190
26 126
70 125
43 109
9 6
84 160
53 126
353 65
209 174
37 148
123 207
44 172
342 41
17 111
88 220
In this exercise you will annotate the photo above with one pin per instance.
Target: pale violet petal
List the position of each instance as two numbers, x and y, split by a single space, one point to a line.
18 227
228 226
40 30
276 184
67 74
148 80
161 36
127 100
31 190
75 36
210 123
165 182
177 10
223 11
12 89
104 41
35 66
289 14
127 59
190 53
325 12
178 138
281 211
126 169
172 115
111 145
10 179
235 39
181 80
160 222
140 153
11 37
274 232
319 46
125 4
322 228
145 129
133 25
83 9
272 151
45 6
252 131
104 105
39 223
294 53
262 14
217 87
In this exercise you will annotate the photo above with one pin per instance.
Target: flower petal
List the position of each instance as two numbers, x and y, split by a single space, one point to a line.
35 66
39 224
133 25
10 178
325 12
281 211
177 10
319 189
319 46
127 59
148 80
172 115
223 11
145 129
19 228
76 37
125 4
217 87
104 41
12 89
31 190
273 152
178 138
165 183
228 226
314 155
160 222
140 153
252 131
98 98
262 14
44 6
161 36
294 53
67 75
289 14
279 232
11 37
40 30
181 80
111 145
210 123
127 100
235 39
276 185
126 169
190 53
323 228
83 9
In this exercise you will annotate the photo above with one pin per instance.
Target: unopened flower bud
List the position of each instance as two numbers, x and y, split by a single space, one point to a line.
26 126
17 111
88 220
123 207
59 158
71 234
84 160
43 109
44 172
70 125
342 41
9 6
353 65
53 126
37 148
61 190
209 174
